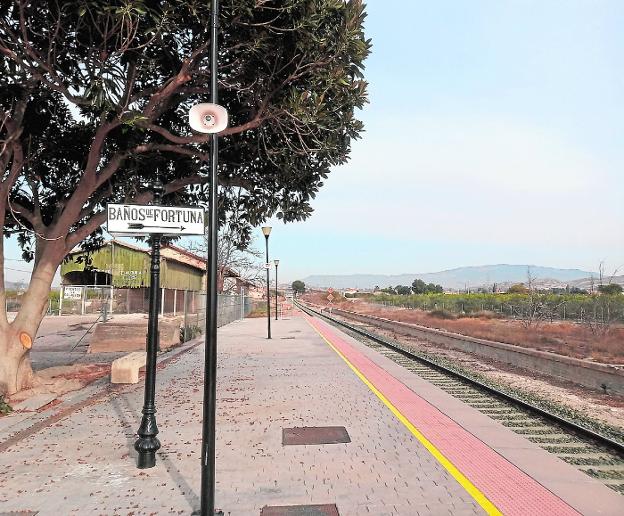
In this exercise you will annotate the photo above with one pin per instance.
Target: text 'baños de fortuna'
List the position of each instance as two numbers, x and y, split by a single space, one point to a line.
155 214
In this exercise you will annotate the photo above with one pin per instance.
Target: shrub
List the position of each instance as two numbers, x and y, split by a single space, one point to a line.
442 314
5 408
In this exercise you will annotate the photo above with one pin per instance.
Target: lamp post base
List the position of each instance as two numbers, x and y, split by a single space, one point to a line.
147 444
146 460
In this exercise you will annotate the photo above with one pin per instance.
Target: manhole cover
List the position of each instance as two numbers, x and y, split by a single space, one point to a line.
300 510
315 435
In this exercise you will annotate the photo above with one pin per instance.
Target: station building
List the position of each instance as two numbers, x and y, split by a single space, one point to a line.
119 274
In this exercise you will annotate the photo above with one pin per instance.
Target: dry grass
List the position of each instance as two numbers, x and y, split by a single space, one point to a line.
563 338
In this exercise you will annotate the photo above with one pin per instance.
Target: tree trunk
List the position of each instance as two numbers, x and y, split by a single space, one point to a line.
16 338
15 370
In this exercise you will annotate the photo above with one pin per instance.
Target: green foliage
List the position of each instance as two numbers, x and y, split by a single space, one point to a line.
402 290
519 288
96 95
610 289
420 287
189 332
575 307
5 408
298 287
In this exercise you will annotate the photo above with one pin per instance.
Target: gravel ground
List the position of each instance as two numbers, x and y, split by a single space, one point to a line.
602 407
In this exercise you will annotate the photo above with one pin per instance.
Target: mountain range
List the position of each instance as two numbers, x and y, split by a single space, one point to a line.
457 279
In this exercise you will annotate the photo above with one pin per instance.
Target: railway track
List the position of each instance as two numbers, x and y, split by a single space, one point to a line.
597 455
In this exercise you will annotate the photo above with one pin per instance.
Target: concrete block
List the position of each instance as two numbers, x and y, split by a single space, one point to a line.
115 336
126 368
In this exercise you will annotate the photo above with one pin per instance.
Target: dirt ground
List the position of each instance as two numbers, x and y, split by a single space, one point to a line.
59 355
564 338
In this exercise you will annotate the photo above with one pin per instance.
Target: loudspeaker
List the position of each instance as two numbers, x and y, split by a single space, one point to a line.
208 118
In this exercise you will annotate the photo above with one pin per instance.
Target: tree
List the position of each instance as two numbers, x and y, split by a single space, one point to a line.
433 288
518 288
419 286
610 289
94 96
298 287
403 290
234 255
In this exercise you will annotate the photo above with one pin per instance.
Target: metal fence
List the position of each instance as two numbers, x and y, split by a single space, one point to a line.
106 302
598 308
230 308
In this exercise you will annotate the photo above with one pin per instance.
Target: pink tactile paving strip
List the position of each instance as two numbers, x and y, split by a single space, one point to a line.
508 488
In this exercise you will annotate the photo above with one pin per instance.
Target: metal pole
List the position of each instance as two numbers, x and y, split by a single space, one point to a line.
276 291
210 350
148 444
266 238
186 310
242 303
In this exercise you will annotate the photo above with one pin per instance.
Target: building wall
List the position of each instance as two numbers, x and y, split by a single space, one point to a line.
131 269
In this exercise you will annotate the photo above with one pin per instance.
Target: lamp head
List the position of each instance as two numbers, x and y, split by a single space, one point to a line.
276 262
266 230
208 118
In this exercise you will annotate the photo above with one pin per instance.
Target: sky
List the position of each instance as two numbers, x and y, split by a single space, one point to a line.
493 135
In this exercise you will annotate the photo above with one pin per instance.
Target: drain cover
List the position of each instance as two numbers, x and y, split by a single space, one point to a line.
300 510
315 435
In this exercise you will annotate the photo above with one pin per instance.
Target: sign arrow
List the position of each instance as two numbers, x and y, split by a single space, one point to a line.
138 225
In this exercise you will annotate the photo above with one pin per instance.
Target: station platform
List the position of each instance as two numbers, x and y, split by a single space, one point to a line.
411 448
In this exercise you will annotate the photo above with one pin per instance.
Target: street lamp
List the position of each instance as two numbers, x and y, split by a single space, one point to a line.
266 231
210 119
276 264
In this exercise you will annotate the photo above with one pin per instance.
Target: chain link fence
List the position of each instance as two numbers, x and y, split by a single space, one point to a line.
106 302
601 308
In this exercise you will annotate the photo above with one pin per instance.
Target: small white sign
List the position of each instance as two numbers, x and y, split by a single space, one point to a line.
134 219
72 292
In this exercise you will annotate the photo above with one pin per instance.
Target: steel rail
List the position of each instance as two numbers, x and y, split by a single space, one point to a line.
566 423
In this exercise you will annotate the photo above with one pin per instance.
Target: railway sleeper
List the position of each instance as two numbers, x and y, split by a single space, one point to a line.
552 439
612 471
586 459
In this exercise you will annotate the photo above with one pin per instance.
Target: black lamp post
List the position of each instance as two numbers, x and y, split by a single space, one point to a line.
276 264
266 231
148 444
208 451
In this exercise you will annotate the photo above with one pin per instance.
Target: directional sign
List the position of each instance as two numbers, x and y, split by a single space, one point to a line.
133 219
330 298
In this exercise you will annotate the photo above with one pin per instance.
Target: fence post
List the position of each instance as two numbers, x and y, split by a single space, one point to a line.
84 299
186 315
242 303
